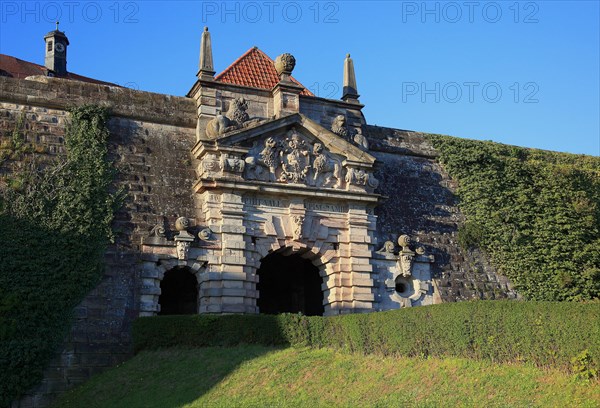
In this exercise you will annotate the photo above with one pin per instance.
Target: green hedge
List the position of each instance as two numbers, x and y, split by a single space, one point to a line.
536 213
543 333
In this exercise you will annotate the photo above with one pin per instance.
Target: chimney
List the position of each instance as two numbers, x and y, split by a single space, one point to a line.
56 52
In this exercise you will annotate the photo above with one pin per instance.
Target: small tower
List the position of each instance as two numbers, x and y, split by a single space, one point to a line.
205 67
56 51
350 94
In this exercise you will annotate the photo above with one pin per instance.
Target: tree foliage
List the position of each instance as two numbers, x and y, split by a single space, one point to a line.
54 227
536 213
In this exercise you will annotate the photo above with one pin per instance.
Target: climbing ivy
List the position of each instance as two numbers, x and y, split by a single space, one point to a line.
536 213
54 227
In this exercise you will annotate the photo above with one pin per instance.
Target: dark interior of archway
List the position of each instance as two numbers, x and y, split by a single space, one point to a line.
289 284
179 292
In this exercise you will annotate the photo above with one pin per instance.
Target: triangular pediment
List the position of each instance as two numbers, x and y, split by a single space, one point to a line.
291 151
307 128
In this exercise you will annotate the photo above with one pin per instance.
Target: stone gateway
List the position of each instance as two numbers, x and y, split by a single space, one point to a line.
248 195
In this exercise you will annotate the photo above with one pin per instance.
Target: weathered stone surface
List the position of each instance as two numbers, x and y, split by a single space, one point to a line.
273 180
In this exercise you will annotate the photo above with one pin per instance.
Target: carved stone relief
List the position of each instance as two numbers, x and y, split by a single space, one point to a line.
339 127
406 274
360 177
293 159
232 164
353 136
326 171
387 248
235 118
297 221
406 258
183 239
210 164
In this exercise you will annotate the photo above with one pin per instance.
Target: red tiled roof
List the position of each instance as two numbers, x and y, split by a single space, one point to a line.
254 69
17 68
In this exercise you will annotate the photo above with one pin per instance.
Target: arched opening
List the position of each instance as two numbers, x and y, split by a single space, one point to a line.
289 284
179 292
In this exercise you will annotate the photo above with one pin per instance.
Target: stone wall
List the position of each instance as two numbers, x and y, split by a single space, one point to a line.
421 203
151 137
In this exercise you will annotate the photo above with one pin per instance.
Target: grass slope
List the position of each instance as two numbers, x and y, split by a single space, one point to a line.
251 376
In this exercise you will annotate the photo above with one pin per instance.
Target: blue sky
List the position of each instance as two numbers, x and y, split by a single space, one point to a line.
524 73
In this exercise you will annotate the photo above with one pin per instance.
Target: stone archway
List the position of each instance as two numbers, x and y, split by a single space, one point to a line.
179 292
289 283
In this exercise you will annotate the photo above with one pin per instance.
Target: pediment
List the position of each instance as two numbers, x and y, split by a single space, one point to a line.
292 150
310 130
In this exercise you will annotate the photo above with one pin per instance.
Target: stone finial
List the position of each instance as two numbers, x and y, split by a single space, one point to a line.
182 223
284 65
205 67
404 242
350 93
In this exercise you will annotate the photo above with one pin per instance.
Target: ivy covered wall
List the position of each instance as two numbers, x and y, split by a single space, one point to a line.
535 213
55 223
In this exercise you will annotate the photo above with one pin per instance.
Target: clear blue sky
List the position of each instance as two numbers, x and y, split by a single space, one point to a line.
524 73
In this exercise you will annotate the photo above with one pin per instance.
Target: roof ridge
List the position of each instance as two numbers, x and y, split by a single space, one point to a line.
234 63
23 69
244 71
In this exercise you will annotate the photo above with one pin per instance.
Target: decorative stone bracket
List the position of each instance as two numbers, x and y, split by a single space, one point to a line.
410 277
182 239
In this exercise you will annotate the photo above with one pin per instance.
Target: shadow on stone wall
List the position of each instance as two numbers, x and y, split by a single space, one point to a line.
421 203
155 171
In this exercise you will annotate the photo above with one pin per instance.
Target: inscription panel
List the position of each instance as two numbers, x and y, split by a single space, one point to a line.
327 207
264 202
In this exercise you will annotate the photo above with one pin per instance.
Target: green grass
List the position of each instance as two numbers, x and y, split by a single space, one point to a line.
259 376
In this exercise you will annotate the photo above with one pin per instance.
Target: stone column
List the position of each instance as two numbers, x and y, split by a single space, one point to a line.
229 286
356 260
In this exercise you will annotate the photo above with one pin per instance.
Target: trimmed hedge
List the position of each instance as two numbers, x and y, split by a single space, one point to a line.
549 334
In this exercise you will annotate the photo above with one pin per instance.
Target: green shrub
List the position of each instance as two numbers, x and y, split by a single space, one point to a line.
53 228
544 333
536 213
